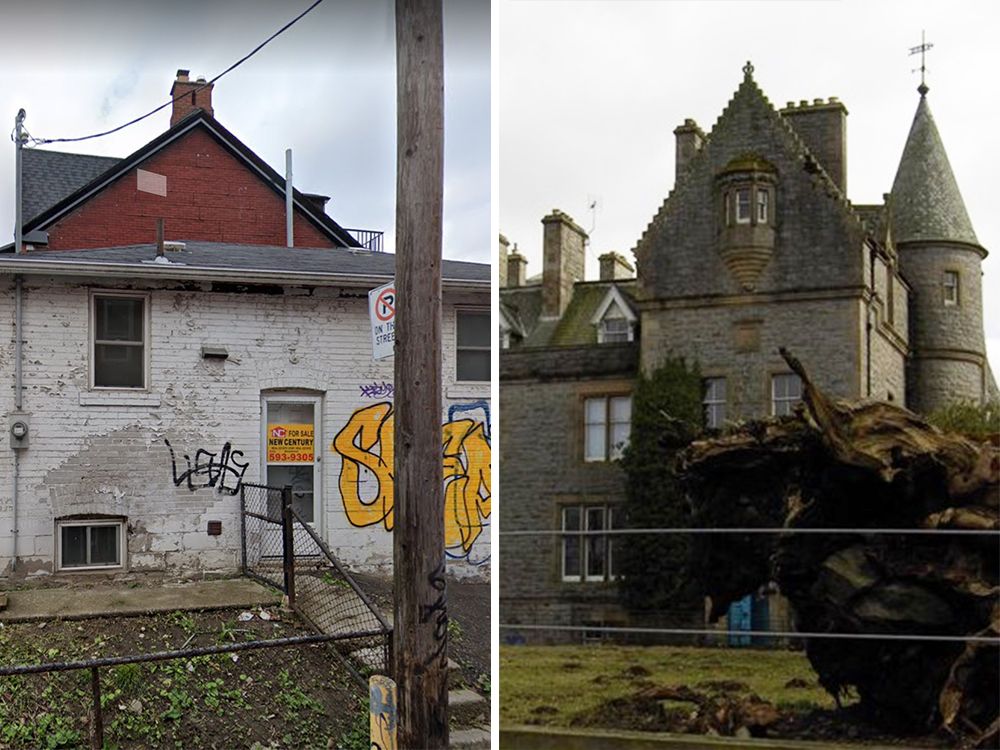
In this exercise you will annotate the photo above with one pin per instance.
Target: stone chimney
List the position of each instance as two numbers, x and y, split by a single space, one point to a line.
614 267
690 139
822 126
502 267
187 98
563 248
516 269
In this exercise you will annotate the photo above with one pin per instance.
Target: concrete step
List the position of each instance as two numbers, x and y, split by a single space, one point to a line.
474 738
467 708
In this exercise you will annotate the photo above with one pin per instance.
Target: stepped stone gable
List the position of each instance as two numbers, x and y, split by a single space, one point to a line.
818 237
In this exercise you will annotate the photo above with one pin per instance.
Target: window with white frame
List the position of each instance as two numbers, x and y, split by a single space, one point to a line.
786 391
472 344
118 353
742 205
607 422
951 288
89 544
715 402
614 330
590 557
762 198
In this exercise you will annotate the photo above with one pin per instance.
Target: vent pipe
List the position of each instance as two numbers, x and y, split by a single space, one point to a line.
289 239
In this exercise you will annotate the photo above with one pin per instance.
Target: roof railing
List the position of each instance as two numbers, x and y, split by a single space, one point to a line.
369 239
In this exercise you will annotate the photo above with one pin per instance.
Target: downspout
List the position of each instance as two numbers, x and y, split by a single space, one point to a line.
868 322
18 241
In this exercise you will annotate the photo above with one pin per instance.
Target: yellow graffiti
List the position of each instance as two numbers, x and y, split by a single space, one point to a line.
366 446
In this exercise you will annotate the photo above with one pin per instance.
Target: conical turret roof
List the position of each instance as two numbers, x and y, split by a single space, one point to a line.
926 202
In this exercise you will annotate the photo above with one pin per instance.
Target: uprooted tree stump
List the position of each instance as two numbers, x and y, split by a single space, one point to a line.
837 465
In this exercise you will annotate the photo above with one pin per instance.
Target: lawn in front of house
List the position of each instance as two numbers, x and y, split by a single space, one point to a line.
555 685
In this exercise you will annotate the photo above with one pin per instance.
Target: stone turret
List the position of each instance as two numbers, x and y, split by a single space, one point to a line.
941 258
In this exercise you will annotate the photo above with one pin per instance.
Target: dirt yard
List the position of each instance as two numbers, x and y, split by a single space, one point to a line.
266 699
741 692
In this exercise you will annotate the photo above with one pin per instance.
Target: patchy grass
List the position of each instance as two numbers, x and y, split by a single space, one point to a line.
556 684
277 698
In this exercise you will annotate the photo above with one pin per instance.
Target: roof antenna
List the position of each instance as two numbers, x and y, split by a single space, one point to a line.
922 49
592 206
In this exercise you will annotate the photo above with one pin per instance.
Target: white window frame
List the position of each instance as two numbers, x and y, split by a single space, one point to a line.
606 336
784 399
712 400
611 452
474 311
90 522
740 217
583 540
762 205
613 298
951 299
96 294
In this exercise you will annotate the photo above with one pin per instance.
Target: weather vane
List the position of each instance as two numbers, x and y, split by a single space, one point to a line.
922 49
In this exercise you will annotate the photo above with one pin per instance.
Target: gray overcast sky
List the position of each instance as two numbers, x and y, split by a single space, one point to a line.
326 88
590 92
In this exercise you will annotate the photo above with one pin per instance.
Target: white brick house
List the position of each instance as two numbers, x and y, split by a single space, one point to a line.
130 368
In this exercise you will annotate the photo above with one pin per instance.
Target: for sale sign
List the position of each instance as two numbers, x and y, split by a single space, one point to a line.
382 312
290 444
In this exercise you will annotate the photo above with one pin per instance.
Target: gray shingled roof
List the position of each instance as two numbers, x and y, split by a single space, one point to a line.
258 258
50 176
926 203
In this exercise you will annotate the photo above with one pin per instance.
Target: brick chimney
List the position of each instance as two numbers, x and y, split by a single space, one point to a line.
690 139
187 98
502 267
614 267
516 271
822 126
563 244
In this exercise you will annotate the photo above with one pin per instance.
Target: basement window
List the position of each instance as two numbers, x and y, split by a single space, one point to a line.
118 352
89 545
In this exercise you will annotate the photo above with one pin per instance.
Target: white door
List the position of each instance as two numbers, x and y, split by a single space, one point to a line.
292 453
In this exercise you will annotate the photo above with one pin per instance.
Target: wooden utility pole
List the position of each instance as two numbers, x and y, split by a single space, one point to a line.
420 640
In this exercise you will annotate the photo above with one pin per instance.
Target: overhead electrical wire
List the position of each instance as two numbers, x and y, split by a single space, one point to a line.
254 51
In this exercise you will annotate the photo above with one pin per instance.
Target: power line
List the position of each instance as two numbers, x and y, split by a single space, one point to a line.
254 51
987 640
750 530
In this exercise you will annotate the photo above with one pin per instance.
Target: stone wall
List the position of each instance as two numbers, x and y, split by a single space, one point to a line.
542 469
740 342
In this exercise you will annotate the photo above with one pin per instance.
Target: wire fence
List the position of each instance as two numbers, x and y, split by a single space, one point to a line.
602 544
282 550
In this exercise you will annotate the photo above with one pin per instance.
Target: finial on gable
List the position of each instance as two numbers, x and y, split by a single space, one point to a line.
748 71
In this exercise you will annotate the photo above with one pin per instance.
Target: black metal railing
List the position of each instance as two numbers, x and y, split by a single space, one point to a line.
370 239
102 700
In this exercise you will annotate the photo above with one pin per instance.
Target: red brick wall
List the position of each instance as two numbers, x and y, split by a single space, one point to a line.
211 196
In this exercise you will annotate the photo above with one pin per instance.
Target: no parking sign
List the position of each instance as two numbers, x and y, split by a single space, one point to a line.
382 312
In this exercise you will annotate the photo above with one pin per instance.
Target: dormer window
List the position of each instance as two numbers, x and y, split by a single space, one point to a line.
614 330
614 319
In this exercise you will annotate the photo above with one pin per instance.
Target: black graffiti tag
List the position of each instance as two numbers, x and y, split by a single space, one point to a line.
439 610
217 473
